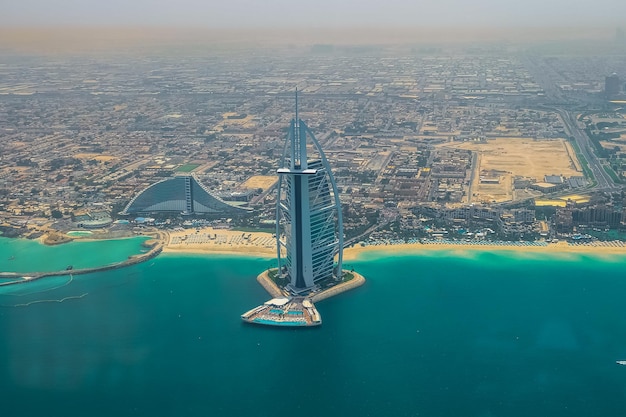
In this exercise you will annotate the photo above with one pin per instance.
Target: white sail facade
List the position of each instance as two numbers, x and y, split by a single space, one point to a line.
309 228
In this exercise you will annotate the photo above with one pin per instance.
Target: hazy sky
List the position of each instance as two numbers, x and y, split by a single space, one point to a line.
311 13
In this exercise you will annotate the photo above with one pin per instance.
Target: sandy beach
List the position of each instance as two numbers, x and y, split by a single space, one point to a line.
222 241
597 248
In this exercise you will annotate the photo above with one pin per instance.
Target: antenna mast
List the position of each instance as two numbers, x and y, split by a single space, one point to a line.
297 106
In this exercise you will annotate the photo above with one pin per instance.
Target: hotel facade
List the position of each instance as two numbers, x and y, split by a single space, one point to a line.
309 227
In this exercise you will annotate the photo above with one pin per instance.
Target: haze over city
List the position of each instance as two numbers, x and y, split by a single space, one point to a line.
322 13
67 23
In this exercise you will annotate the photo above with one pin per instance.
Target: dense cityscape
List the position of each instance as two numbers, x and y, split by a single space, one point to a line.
494 141
329 208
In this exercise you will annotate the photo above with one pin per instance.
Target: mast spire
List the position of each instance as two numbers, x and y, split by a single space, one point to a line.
297 106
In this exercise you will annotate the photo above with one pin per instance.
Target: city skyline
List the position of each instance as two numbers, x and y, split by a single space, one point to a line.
413 134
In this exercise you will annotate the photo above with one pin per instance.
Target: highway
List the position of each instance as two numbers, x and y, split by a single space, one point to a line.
548 79
603 180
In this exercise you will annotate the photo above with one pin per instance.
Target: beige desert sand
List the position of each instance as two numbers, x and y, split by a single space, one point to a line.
95 156
260 181
506 158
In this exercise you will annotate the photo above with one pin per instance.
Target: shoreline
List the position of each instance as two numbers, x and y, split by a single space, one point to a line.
234 251
209 241
407 249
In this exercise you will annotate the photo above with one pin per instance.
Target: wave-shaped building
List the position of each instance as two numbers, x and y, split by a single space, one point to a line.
181 194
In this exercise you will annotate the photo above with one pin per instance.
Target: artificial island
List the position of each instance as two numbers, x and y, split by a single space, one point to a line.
309 237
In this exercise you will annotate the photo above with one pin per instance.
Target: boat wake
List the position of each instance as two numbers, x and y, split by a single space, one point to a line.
65 284
74 297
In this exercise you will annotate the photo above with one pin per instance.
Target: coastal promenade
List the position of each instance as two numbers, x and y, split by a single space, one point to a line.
156 246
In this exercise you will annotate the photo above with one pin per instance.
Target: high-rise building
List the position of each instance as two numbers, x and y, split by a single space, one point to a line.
612 85
309 230
309 236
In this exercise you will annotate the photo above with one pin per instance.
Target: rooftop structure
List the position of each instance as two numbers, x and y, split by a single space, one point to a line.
182 194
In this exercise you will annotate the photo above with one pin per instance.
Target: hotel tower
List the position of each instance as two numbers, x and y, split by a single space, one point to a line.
309 230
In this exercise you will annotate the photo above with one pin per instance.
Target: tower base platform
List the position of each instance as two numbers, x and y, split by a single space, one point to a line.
296 310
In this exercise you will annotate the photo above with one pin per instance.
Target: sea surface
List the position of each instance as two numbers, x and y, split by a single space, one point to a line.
440 333
23 255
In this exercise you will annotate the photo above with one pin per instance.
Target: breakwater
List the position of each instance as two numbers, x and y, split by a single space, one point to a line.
356 281
275 291
156 246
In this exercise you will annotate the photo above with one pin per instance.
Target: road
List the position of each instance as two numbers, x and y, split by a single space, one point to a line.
470 188
549 79
349 242
603 180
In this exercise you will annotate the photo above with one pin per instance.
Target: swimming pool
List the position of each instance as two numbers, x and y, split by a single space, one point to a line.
280 323
79 233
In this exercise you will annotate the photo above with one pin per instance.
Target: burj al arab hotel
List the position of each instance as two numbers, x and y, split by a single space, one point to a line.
309 229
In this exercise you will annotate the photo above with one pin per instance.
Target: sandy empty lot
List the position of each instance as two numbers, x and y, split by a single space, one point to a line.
506 158
260 181
98 157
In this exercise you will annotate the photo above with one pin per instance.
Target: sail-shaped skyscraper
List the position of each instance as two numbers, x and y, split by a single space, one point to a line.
309 230
309 236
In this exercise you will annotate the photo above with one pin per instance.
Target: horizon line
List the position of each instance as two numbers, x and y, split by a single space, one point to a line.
107 36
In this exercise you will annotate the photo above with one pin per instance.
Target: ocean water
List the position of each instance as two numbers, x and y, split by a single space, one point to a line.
22 255
435 334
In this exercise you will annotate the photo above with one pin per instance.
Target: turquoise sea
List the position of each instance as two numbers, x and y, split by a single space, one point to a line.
22 255
433 334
